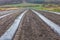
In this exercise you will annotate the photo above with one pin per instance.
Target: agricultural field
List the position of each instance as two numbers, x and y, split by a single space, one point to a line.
27 21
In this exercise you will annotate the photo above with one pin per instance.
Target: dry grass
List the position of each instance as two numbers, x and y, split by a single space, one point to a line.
4 9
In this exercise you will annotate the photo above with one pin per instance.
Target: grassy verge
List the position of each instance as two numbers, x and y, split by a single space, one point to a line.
49 7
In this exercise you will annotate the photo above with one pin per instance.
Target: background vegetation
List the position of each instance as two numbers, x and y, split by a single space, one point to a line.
48 7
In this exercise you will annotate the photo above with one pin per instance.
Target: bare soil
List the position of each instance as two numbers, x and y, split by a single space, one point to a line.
33 28
7 21
5 12
51 16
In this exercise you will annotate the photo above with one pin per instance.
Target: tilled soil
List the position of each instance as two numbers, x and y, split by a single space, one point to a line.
7 21
53 17
33 28
6 12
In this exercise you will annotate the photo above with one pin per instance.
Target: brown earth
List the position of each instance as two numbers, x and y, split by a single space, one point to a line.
33 28
51 16
7 21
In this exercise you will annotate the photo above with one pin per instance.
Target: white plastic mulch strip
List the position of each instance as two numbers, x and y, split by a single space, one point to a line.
11 31
53 26
55 12
13 11
52 12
